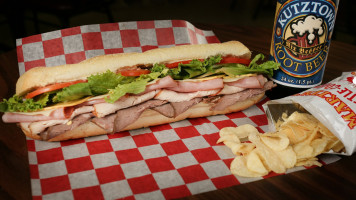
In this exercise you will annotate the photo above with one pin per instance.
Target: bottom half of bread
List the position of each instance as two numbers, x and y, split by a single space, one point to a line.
150 118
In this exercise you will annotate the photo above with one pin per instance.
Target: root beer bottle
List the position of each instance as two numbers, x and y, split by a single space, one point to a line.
300 43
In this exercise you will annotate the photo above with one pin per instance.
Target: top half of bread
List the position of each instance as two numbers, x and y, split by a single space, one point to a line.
42 76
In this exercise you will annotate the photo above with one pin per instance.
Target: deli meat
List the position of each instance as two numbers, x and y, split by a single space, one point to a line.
228 100
128 116
166 96
103 109
194 86
231 89
173 96
166 82
176 108
56 130
124 117
181 107
106 122
40 126
249 82
166 110
60 113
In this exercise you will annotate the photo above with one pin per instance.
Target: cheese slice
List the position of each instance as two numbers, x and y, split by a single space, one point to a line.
66 104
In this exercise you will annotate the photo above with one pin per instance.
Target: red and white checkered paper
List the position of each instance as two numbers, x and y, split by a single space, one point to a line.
161 162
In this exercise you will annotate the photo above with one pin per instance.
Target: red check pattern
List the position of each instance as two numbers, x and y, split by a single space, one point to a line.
161 162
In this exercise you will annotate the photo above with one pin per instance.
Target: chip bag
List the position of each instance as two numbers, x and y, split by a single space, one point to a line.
333 104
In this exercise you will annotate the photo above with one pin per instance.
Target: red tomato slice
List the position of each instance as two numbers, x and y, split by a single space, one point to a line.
134 72
53 87
232 59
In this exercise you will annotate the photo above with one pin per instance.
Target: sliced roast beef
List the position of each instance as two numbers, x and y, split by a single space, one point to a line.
181 107
228 100
56 130
165 109
212 99
124 117
176 108
128 116
106 122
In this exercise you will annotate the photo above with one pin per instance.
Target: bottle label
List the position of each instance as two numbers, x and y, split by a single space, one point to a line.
301 40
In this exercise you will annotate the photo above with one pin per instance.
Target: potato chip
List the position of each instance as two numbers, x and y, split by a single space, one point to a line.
270 158
294 134
255 164
303 150
319 146
326 132
238 166
243 148
240 131
277 142
297 141
309 162
338 146
303 119
229 140
288 157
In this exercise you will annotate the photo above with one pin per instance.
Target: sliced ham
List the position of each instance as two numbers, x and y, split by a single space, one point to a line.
59 113
166 82
194 86
40 126
249 82
173 96
103 109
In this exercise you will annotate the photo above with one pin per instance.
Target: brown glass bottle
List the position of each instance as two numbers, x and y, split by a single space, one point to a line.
300 44
283 91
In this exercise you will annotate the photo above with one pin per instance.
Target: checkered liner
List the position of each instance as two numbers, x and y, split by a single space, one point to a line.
161 162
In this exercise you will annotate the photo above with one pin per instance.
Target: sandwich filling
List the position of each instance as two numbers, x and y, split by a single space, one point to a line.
114 100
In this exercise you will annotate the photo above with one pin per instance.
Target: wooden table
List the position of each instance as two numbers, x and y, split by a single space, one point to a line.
333 181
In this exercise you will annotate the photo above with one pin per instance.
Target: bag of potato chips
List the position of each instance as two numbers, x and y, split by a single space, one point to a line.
301 127
333 104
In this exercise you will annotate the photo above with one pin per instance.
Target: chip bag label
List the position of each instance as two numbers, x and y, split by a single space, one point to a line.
333 104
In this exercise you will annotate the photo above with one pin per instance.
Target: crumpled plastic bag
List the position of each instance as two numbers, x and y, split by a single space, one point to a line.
333 104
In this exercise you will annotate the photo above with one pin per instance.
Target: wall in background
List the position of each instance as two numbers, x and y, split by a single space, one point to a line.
31 17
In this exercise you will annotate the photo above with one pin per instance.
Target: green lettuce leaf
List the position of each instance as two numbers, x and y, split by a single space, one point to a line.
101 83
160 68
194 69
120 90
73 92
18 104
235 69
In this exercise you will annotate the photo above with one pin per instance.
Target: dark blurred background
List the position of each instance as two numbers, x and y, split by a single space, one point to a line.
21 18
